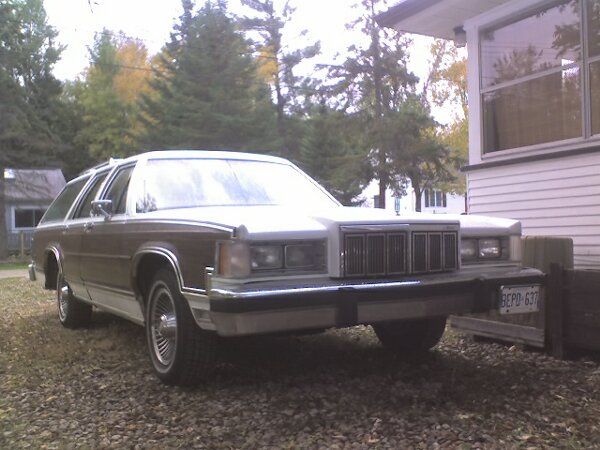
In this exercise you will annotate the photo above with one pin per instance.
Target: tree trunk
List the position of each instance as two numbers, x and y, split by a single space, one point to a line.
382 189
3 230
418 197
280 107
377 81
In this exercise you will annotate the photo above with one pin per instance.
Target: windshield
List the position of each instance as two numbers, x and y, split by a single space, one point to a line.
188 183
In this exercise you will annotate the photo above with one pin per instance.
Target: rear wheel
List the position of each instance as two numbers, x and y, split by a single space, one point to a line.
72 312
410 336
181 353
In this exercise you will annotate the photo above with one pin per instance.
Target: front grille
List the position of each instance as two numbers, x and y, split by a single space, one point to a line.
390 253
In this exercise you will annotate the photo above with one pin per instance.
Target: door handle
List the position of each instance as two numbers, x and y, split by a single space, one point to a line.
88 226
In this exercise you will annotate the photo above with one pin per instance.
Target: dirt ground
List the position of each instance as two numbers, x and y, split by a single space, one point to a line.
94 388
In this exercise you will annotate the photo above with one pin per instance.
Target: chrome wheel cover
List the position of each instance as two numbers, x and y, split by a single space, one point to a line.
163 326
62 297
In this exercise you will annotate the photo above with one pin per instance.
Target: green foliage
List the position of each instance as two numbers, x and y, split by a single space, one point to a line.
400 141
374 81
31 115
331 156
210 87
29 93
206 93
447 86
109 115
276 65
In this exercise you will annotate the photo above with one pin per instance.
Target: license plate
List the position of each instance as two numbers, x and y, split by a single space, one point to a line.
519 299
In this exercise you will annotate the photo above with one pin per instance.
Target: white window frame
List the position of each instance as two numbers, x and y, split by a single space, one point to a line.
507 12
427 197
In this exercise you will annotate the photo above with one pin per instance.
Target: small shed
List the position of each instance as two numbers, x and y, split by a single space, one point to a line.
27 195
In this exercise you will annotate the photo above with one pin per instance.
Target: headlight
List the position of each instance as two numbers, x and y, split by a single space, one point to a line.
302 256
483 249
468 249
241 259
265 257
489 248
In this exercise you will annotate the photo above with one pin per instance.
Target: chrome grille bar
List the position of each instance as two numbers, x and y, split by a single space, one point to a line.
372 253
354 254
396 262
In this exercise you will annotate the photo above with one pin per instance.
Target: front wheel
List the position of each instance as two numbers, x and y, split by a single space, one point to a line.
410 336
72 312
181 353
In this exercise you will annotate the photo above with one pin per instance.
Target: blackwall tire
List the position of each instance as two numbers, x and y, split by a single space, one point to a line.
410 336
72 312
181 353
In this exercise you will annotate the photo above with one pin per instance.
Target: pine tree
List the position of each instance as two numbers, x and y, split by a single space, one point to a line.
400 140
30 108
330 153
29 93
277 66
205 91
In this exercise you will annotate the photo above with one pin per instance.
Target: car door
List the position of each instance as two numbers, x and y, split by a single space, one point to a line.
72 235
57 231
105 263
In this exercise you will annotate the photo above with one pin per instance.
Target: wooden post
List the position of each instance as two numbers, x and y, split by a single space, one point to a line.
555 310
22 242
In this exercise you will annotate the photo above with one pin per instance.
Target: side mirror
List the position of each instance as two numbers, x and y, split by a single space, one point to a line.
102 208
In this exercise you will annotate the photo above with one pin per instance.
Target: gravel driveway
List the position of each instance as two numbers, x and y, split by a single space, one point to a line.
94 388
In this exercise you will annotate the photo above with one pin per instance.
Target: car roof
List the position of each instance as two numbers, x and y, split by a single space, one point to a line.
207 154
186 154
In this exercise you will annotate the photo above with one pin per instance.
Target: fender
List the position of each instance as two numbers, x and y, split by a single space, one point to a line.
55 250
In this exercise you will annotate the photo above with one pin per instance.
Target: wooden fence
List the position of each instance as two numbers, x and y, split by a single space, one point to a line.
529 328
19 243
569 316
572 310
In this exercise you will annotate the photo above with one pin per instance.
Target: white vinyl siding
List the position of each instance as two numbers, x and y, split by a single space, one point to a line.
555 197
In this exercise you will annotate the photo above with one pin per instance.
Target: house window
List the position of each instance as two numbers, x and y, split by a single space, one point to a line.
537 76
434 198
27 217
593 55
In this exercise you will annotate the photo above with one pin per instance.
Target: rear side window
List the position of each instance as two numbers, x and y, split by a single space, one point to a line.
61 204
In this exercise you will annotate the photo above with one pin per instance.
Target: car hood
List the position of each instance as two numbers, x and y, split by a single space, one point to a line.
474 225
268 222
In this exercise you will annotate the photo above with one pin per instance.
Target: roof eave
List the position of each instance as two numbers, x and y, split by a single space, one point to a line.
405 9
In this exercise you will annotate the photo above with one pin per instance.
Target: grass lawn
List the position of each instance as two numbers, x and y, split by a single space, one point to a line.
13 265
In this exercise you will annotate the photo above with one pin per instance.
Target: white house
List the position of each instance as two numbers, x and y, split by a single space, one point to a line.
433 201
534 109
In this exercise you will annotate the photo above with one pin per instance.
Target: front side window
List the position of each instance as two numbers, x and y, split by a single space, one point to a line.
189 183
531 79
117 190
85 206
61 205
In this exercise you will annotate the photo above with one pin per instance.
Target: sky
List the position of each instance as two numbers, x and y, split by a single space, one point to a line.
152 21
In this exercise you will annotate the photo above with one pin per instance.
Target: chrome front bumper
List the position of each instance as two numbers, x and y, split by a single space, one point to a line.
31 271
36 274
266 308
